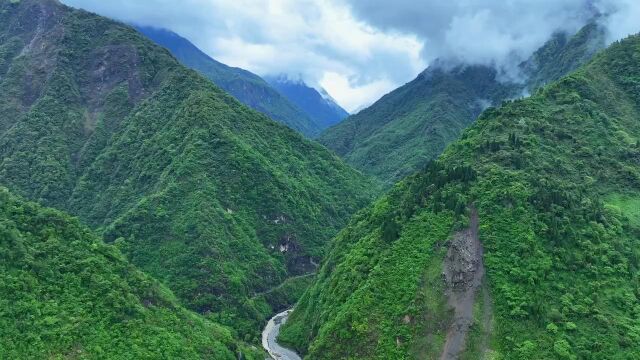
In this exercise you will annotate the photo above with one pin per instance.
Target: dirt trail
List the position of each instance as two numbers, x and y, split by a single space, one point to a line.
463 274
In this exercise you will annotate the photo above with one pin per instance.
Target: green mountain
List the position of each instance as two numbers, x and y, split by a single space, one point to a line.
521 241
213 199
245 86
405 129
67 295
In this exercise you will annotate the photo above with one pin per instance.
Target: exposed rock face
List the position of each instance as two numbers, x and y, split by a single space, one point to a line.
463 273
297 261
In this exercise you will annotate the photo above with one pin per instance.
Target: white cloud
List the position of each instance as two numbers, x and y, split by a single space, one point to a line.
489 32
314 40
356 96
360 49
623 17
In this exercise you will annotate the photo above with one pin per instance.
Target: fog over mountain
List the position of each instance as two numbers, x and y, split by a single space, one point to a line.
496 32
359 50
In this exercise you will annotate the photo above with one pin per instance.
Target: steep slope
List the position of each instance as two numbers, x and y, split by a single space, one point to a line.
540 195
210 197
245 86
65 294
319 106
410 126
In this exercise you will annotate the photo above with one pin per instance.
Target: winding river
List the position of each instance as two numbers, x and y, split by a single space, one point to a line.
269 335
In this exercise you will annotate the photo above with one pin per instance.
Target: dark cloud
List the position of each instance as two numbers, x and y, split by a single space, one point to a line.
492 32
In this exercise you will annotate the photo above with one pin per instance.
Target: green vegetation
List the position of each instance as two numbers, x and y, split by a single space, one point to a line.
627 204
213 199
554 179
248 88
403 131
64 294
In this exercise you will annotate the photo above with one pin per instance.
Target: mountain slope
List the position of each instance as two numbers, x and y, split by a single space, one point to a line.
245 86
324 111
210 197
520 242
65 294
406 128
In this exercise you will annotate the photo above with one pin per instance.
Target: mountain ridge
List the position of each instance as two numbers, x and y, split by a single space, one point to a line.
554 180
215 200
247 87
406 128
318 104
67 294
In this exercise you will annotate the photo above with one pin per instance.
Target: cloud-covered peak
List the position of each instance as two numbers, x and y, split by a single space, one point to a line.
492 32
359 50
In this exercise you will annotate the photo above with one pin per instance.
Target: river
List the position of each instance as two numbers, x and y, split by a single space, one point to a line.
269 335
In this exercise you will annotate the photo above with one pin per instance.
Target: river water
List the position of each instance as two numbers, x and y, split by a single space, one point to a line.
269 335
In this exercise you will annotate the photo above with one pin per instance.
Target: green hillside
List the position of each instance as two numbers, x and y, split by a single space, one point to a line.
64 294
522 241
208 196
405 129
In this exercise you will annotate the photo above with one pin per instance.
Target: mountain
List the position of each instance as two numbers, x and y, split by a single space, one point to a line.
405 129
245 86
319 106
215 200
521 241
65 294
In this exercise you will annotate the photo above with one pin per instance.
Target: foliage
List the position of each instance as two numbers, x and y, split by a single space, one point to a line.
65 294
555 181
405 129
196 189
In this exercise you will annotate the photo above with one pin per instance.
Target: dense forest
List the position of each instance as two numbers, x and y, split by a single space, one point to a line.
146 213
405 129
215 200
64 294
553 182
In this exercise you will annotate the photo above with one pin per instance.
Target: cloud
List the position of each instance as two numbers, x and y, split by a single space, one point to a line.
360 49
356 96
499 33
313 40
621 17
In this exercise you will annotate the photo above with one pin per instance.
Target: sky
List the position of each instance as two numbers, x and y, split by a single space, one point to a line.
359 50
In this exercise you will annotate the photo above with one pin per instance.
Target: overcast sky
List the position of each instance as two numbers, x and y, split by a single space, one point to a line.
358 50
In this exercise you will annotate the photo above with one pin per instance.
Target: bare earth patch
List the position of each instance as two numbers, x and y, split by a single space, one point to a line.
463 271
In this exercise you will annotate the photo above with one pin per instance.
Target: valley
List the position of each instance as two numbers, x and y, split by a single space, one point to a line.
156 203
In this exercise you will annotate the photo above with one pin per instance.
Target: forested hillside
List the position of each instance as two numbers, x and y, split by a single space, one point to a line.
522 241
208 196
245 86
405 129
64 294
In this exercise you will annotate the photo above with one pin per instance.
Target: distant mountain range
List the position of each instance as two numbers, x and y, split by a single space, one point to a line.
400 133
294 104
319 105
